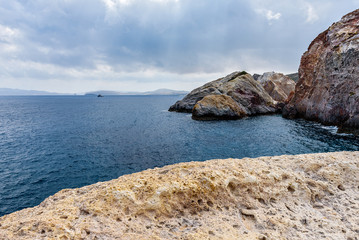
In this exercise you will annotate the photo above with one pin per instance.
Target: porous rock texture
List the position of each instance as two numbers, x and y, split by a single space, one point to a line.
328 86
214 107
313 196
277 85
238 85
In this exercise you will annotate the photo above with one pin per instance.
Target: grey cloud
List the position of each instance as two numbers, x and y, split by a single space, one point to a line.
179 37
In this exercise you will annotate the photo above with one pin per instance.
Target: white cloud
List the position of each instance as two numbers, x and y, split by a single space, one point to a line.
113 8
8 37
7 34
311 13
165 1
269 14
111 4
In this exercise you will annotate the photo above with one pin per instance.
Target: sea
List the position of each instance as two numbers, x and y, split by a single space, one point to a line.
48 143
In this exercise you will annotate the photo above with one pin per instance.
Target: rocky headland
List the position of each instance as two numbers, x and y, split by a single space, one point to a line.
247 94
310 196
328 86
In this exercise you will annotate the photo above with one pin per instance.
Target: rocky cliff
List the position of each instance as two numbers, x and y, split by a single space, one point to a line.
240 86
277 85
314 196
328 86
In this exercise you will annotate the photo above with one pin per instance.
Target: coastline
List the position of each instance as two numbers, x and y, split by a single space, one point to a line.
306 196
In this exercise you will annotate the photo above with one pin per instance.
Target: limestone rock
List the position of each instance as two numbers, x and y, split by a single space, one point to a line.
213 107
311 196
240 86
277 85
328 86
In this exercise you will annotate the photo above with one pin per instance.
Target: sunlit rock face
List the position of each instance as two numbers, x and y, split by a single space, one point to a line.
216 107
313 196
328 86
277 85
240 86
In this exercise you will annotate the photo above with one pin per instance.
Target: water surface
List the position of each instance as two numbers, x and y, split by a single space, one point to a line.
51 143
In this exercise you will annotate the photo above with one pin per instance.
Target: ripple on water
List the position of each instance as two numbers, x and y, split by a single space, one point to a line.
51 143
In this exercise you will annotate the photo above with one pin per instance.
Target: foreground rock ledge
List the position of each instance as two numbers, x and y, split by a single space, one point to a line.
313 196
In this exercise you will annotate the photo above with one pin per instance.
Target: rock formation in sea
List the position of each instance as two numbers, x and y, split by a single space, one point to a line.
311 196
277 85
240 86
328 86
214 107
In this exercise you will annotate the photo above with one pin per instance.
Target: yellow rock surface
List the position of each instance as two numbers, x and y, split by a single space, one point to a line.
312 196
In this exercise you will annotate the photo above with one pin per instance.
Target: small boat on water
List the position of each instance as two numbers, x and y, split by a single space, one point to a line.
99 95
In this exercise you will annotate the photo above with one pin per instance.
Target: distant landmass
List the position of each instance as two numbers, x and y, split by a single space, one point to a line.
294 76
162 91
20 92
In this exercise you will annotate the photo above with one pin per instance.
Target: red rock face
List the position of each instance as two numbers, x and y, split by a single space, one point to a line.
328 86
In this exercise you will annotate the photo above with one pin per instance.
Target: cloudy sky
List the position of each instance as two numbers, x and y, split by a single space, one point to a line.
76 46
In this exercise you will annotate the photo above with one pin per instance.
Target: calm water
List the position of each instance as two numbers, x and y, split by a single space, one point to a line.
51 143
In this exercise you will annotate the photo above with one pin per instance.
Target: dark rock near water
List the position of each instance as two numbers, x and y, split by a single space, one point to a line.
240 86
214 107
328 86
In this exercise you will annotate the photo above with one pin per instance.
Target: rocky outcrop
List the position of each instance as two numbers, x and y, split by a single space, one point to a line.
240 86
312 196
256 76
277 85
213 107
328 86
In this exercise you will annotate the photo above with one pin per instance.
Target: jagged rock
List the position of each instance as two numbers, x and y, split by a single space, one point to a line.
313 196
277 85
217 107
256 76
241 86
328 86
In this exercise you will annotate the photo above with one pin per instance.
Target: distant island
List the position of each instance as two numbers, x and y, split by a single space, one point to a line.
162 91
21 92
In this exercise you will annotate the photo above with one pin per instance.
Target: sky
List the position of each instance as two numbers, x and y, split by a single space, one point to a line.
76 46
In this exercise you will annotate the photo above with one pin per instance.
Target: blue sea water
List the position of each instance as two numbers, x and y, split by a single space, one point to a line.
48 143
